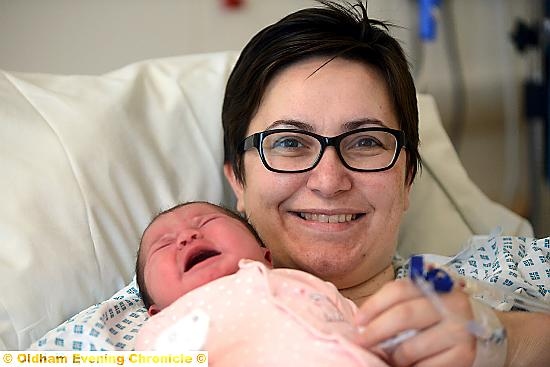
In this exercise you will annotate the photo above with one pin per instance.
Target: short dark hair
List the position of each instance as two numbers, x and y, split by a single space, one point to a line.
333 30
140 277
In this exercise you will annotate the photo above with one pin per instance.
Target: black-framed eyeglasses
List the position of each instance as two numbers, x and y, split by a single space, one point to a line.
368 149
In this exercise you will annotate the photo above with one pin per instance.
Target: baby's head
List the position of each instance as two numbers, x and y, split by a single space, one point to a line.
190 245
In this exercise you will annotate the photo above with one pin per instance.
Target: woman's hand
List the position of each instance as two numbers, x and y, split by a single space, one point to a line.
440 340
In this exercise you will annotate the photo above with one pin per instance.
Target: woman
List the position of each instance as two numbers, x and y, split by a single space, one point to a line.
321 148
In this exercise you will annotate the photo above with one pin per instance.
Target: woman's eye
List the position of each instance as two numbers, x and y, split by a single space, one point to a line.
286 143
365 142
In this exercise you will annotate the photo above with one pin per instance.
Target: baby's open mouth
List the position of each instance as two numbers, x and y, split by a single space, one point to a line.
326 218
199 257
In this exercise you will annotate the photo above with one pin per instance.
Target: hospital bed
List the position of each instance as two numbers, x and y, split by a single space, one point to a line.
87 161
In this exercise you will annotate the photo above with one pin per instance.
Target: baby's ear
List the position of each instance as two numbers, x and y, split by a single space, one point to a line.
153 310
267 256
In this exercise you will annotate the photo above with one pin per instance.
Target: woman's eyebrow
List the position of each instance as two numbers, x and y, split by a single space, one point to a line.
290 124
346 126
355 124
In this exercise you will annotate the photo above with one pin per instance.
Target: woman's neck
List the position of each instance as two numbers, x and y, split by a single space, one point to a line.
360 292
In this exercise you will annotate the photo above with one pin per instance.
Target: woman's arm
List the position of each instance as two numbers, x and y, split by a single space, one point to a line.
528 338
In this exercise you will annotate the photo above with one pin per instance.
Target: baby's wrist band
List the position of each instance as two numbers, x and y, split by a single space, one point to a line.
491 347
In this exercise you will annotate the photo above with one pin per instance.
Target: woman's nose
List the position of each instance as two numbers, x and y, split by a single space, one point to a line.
329 177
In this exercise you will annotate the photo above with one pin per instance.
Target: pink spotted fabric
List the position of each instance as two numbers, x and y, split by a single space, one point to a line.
261 317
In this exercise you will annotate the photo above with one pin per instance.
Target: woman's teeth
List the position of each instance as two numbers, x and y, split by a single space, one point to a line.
324 218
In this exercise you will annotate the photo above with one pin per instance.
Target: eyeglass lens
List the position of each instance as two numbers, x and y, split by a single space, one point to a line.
294 151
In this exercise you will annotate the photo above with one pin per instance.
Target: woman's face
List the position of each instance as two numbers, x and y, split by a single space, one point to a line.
294 213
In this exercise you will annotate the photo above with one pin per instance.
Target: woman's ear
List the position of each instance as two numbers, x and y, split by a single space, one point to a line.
406 194
236 185
407 182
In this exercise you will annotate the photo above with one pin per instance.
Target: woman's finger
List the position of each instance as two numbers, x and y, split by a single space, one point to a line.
437 346
454 357
388 296
413 314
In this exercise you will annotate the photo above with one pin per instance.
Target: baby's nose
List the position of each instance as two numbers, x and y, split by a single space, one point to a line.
187 237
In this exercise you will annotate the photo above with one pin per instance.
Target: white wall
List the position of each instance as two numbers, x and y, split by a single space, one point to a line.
95 36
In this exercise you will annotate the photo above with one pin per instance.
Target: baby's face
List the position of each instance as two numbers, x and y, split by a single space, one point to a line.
191 246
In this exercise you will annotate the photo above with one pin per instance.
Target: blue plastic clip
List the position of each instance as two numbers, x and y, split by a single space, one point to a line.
438 278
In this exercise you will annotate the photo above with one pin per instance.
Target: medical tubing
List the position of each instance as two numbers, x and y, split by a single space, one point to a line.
480 288
510 99
459 106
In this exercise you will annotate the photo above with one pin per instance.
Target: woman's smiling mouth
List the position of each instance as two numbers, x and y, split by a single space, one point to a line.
326 218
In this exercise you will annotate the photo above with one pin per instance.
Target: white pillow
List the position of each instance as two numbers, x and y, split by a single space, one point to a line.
446 207
87 161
